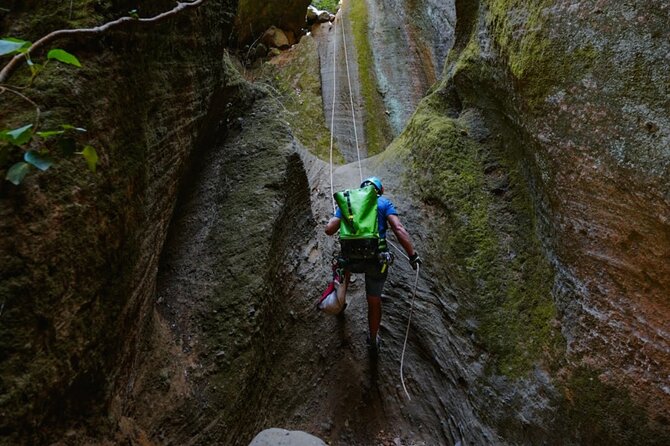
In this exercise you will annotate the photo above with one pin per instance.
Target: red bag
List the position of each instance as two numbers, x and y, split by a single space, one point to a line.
333 299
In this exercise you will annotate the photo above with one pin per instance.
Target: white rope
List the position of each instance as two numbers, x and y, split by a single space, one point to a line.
409 321
351 99
397 249
332 119
360 172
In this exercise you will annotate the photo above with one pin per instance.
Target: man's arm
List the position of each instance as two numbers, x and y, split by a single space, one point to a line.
402 234
332 226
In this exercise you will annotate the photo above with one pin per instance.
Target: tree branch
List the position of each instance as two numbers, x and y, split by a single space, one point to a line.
13 64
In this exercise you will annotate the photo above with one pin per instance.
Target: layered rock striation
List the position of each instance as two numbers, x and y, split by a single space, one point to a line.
79 250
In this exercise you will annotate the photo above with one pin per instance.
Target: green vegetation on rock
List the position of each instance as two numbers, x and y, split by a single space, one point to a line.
377 128
539 63
73 244
294 81
327 5
489 240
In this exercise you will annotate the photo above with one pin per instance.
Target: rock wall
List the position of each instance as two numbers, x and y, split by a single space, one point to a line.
409 41
395 52
571 97
223 287
340 71
80 251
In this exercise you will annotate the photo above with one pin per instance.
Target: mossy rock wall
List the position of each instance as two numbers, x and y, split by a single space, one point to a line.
547 148
79 251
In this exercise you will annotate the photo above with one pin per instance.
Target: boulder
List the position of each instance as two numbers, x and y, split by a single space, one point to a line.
291 37
324 16
253 16
282 437
275 38
318 16
312 14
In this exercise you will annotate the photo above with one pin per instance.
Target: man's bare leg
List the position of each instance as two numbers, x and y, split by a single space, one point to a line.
374 316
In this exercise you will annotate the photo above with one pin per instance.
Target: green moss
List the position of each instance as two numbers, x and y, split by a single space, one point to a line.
327 5
602 414
469 55
377 129
537 63
296 85
488 241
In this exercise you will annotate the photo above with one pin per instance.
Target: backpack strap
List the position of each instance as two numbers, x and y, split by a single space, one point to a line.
350 214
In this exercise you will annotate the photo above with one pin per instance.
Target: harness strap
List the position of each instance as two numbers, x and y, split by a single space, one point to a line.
351 211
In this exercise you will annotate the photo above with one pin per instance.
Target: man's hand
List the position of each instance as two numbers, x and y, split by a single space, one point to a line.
415 260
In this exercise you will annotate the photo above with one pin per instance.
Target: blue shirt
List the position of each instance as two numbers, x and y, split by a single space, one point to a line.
384 209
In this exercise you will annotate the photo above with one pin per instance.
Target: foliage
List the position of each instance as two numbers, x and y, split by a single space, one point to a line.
37 148
327 5
40 147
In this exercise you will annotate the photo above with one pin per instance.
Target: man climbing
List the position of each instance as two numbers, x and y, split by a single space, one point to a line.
375 268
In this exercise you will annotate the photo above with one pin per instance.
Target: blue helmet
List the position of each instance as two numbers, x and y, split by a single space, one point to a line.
376 182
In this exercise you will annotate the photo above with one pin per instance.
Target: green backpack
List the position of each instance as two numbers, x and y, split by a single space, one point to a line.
359 227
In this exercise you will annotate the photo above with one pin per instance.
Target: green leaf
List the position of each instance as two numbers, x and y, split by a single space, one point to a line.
49 133
17 172
42 162
67 146
9 45
19 136
63 56
91 157
71 127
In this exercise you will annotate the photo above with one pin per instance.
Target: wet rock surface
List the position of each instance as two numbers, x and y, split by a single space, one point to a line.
339 71
409 44
396 51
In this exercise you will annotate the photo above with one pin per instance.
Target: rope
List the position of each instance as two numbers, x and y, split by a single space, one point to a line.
409 321
332 120
351 100
360 172
397 249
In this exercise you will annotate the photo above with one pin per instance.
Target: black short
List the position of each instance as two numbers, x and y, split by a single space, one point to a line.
374 277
